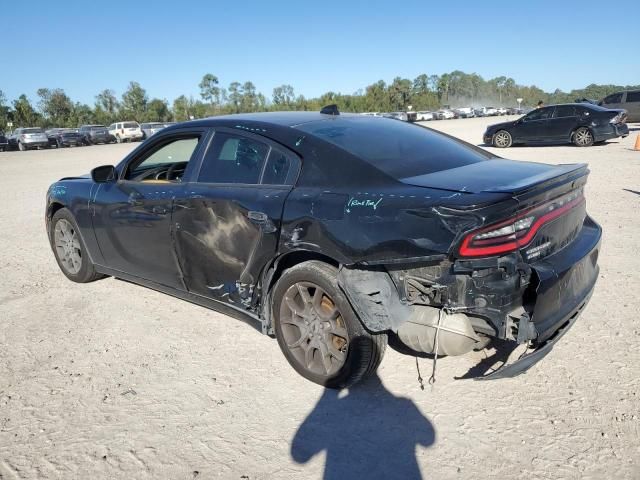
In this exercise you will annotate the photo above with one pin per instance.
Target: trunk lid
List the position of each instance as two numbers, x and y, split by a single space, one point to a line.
496 176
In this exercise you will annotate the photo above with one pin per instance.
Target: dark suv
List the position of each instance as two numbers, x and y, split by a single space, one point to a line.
94 134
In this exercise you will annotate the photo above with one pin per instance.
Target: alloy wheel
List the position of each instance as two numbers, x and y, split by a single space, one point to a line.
583 137
68 248
313 329
502 139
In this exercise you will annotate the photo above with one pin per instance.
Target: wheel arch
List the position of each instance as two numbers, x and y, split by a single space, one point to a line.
273 272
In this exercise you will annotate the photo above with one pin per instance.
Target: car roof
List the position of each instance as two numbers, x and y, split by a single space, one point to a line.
285 119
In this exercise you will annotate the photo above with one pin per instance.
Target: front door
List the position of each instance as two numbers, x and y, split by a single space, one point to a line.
530 128
132 217
227 225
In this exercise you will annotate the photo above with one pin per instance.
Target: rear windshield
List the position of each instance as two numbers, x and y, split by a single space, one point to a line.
130 125
399 149
98 127
32 130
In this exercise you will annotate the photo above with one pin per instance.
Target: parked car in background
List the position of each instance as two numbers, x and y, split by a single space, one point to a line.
464 112
4 142
424 116
28 139
423 239
444 114
579 123
501 111
369 114
629 100
151 128
95 134
168 124
125 131
63 137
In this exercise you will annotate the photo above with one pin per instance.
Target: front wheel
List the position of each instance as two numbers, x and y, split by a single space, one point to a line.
582 137
21 147
69 248
318 331
118 139
502 139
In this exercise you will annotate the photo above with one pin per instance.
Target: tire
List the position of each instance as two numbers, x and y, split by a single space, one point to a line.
318 332
118 139
582 137
69 248
502 139
21 147
58 144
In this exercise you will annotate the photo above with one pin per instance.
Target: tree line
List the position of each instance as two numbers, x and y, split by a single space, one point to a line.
426 92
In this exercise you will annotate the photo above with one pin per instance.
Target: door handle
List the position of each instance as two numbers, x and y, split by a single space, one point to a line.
257 217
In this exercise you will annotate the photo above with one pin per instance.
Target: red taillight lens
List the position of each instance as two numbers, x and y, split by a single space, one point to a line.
517 232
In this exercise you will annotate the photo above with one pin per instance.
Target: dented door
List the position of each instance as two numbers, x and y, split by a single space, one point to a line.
224 237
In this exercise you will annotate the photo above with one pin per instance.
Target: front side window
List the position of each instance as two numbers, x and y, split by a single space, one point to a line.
167 163
539 114
233 159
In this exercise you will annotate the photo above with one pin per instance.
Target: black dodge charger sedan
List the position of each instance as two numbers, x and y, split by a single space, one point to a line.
337 232
582 124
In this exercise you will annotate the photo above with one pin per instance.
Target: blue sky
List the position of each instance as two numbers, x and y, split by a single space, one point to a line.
84 47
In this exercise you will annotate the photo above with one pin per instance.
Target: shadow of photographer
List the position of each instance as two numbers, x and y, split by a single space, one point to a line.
367 432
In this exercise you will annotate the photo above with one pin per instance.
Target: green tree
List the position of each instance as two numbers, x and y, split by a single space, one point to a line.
24 115
4 111
134 102
158 111
56 107
235 96
283 97
106 107
210 91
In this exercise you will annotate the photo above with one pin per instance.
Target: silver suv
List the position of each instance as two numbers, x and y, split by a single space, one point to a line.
28 138
629 100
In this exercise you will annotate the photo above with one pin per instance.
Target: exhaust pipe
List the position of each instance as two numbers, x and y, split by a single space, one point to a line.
455 335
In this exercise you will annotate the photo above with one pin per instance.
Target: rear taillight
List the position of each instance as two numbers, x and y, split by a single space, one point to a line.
619 118
515 233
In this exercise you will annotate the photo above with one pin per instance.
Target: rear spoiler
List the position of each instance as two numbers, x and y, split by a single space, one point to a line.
561 174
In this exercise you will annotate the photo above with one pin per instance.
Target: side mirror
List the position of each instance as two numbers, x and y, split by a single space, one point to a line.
104 174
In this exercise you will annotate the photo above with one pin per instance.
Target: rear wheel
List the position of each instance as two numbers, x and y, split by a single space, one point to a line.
69 249
21 147
318 331
118 139
582 137
502 139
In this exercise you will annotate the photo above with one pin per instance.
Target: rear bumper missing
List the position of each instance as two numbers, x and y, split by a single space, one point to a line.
527 361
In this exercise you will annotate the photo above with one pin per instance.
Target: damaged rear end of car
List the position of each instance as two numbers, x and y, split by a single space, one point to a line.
520 268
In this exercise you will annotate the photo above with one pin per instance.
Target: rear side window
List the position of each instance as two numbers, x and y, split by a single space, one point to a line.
633 96
130 125
233 159
281 169
615 98
564 111
398 149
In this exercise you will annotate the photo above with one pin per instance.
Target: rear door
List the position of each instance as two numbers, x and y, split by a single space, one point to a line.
228 223
562 122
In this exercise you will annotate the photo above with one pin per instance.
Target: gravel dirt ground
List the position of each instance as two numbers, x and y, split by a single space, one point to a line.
113 380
